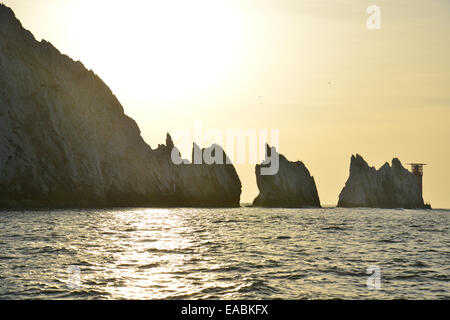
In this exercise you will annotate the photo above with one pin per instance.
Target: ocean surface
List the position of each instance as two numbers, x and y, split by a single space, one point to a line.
243 253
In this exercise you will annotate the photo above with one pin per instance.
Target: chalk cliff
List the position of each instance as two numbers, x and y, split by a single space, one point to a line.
291 187
388 187
66 142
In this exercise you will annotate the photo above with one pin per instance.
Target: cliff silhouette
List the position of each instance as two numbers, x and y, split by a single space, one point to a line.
65 140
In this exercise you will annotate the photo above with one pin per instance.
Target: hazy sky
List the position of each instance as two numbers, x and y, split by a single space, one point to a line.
309 68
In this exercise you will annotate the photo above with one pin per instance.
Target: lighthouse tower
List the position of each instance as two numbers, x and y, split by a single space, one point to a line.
417 170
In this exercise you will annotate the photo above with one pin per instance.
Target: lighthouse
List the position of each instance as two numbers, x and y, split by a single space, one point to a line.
417 170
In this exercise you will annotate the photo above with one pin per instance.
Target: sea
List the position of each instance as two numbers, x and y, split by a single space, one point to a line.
241 253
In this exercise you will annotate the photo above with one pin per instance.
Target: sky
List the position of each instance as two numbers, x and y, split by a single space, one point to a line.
311 69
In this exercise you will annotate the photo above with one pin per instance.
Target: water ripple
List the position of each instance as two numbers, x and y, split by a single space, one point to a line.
243 253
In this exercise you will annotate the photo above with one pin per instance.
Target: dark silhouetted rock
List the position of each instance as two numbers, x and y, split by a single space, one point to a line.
388 187
291 187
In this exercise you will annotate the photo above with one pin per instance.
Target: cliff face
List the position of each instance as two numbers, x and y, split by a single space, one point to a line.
66 142
388 187
291 187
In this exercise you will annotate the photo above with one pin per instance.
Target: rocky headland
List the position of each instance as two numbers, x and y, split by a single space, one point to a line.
65 140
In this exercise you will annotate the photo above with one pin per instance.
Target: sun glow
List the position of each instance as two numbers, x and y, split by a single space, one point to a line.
172 49
309 68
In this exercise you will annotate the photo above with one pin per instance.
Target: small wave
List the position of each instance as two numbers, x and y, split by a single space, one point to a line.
258 286
295 276
337 228
108 233
388 241
215 289
149 266
126 265
342 272
86 294
406 277
225 221
224 269
283 237
100 282
7 257
147 240
48 250
420 264
170 251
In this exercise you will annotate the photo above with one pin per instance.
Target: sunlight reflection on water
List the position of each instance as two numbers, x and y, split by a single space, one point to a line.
244 253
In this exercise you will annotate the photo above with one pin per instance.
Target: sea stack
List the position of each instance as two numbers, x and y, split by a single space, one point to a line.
66 142
291 187
388 187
